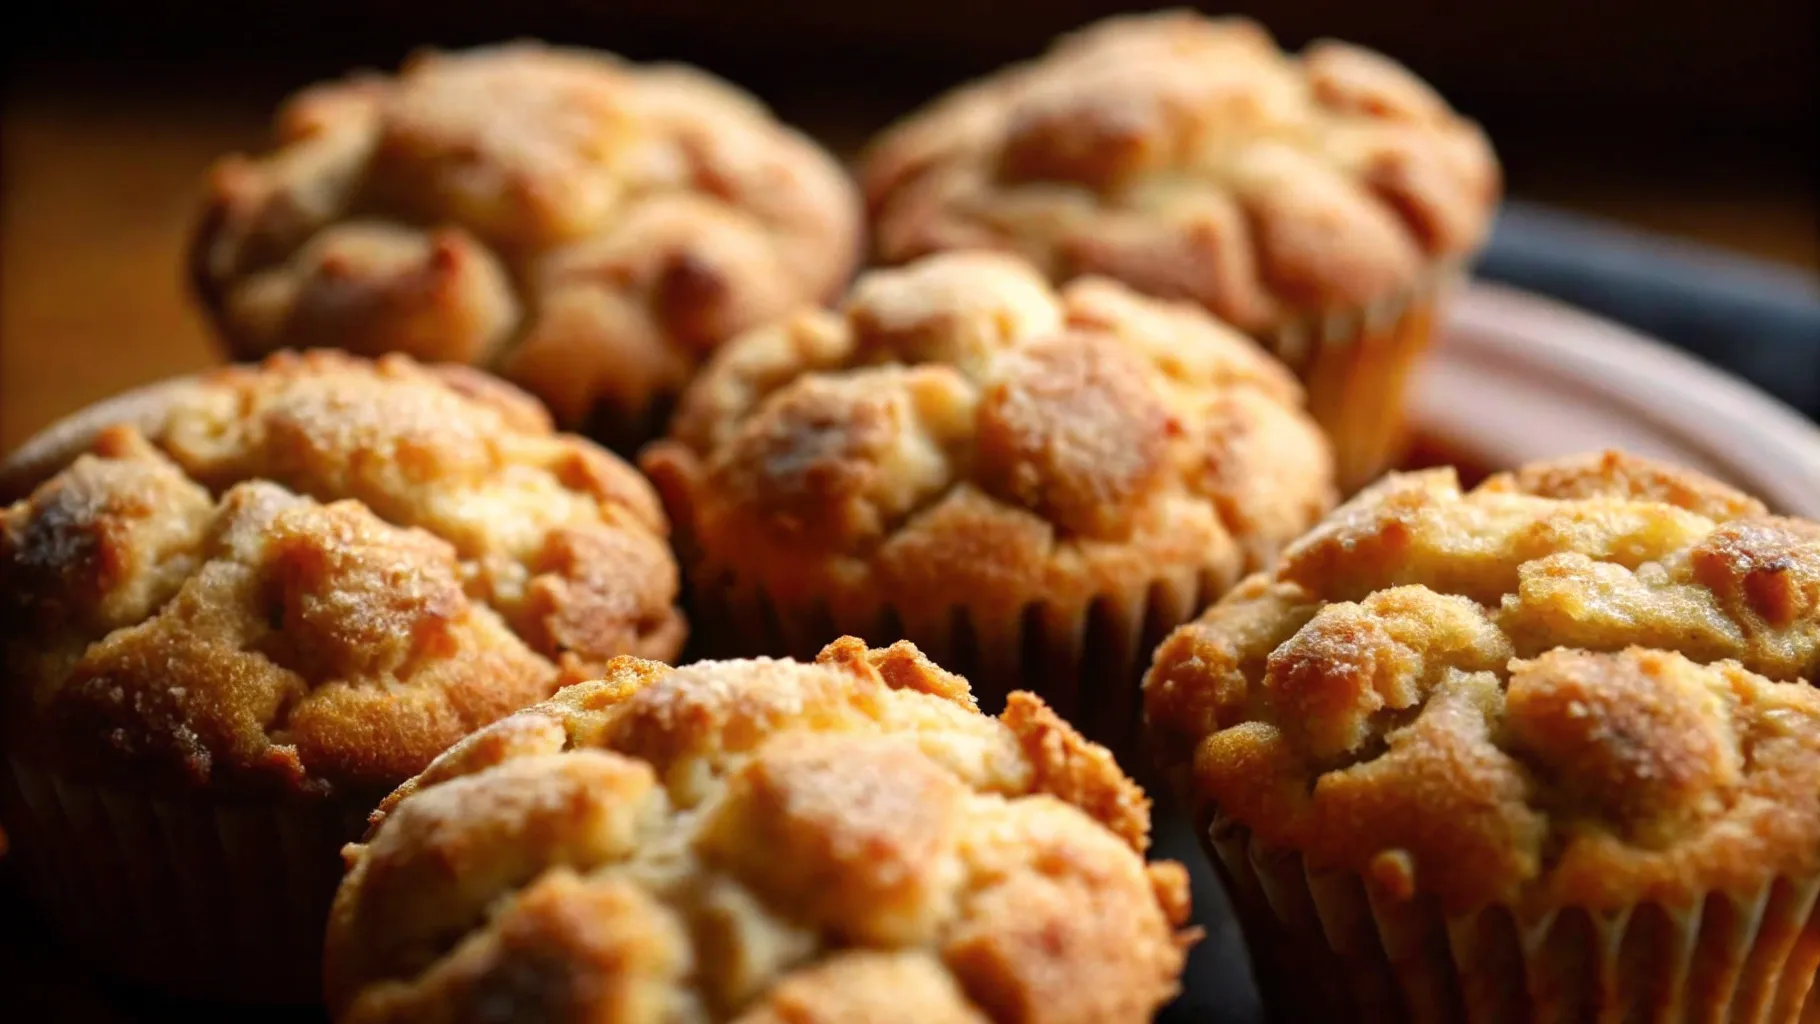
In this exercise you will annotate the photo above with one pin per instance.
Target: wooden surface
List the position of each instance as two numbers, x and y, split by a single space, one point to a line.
96 202
99 183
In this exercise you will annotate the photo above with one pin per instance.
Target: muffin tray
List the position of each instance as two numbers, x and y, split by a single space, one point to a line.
1515 378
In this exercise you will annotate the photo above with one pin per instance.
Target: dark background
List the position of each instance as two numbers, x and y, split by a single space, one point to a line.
1720 95
1694 122
1743 58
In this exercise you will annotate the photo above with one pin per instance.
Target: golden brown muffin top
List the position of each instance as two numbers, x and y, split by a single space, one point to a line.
587 226
319 572
1581 684
764 841
962 432
1190 158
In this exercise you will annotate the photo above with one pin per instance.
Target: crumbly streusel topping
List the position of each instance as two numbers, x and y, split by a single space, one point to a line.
960 432
1190 158
764 841
588 227
322 571
1582 683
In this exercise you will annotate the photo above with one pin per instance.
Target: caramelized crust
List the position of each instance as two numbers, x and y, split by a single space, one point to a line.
961 434
1192 159
316 574
588 227
1581 684
765 842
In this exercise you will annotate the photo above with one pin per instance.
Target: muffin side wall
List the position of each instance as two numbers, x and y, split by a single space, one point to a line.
178 891
1085 658
1325 946
1358 368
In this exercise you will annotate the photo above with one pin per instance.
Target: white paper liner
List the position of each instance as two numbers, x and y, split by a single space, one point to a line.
1356 366
1324 946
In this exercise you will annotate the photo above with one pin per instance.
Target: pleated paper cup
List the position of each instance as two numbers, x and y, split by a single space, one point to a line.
185 893
1357 367
1326 946
1085 658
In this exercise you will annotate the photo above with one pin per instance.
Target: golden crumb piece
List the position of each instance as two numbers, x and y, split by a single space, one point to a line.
960 434
1586 683
868 988
1190 158
1611 474
763 842
588 227
317 573
1647 737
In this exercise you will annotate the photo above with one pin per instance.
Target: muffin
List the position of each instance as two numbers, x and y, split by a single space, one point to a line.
588 228
763 842
1544 750
1323 202
1032 485
230 628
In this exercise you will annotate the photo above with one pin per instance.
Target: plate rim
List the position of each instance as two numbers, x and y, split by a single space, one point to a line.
1644 378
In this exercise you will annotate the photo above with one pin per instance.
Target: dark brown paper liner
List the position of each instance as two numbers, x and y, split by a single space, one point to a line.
178 892
626 431
1086 659
1324 946
1356 367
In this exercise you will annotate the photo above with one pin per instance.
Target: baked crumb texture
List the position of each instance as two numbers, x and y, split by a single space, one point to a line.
317 573
587 227
1323 202
1571 705
962 448
763 841
1192 159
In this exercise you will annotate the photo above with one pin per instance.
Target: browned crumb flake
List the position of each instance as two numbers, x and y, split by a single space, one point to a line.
589 227
764 842
1584 683
960 433
1192 159
319 572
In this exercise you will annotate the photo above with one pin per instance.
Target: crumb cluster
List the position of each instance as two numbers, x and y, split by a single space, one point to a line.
587 227
763 841
1192 159
320 572
959 432
1584 683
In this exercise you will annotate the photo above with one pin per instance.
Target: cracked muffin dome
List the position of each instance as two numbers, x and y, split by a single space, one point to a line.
763 841
313 575
587 227
1191 158
1583 684
964 456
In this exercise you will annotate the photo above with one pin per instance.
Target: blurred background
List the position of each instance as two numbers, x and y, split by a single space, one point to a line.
1693 121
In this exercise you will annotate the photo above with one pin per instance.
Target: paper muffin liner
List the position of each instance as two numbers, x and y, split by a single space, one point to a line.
1326 946
1357 366
626 430
1086 658
178 892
